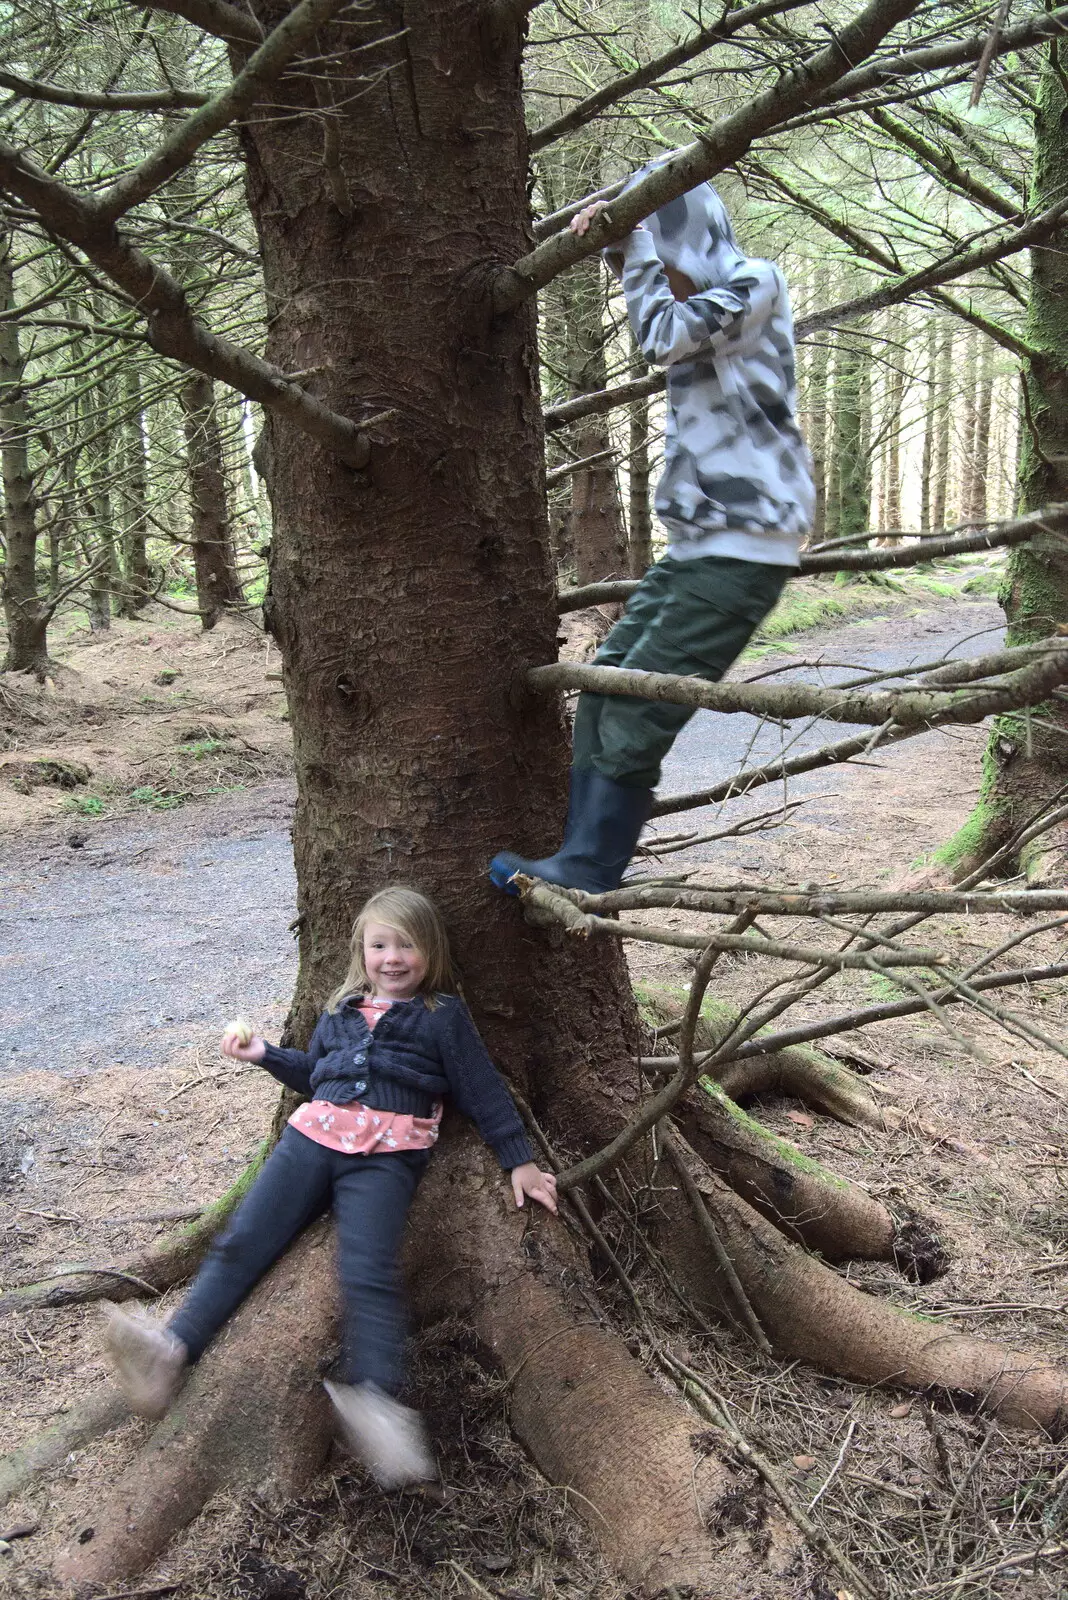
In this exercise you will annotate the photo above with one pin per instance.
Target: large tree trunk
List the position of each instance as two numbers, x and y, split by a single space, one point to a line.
26 613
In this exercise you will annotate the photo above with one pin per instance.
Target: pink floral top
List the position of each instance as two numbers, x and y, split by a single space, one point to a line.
357 1130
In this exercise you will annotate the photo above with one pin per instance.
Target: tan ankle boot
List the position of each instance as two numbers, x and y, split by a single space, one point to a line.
388 1438
149 1360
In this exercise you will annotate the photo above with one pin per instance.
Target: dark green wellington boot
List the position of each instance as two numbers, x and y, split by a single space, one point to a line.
604 821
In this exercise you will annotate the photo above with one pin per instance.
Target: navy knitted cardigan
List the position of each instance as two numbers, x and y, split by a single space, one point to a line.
414 1056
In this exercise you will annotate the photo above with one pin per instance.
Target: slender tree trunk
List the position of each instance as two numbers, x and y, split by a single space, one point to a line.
136 574
895 396
853 435
640 531
213 559
983 403
943 432
929 426
100 547
968 421
816 415
26 613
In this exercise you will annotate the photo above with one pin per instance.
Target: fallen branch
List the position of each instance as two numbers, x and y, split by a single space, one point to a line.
715 1409
677 1150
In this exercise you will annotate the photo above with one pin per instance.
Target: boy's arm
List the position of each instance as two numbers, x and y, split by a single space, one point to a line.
294 1067
713 320
477 1087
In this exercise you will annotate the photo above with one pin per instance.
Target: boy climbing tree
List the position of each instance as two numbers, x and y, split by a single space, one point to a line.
736 498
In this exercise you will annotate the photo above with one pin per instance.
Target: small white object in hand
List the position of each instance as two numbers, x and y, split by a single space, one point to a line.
241 1028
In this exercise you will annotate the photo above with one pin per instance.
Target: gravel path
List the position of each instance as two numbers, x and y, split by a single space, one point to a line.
124 936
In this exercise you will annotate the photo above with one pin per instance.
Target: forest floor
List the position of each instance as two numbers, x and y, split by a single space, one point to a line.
152 901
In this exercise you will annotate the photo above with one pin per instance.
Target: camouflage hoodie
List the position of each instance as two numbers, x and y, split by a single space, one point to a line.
737 475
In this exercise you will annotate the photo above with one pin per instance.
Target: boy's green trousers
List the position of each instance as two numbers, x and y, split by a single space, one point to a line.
692 618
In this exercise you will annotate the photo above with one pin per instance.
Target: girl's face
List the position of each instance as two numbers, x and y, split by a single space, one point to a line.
394 966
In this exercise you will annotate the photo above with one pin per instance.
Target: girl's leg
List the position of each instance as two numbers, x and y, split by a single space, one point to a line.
371 1199
292 1189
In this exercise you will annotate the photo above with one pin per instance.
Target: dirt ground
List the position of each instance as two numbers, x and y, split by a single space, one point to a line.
96 1160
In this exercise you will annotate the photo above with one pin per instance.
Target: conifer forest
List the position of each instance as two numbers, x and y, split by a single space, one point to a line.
329 455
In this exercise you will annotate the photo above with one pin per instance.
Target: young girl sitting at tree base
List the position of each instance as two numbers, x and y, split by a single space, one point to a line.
395 1037
736 498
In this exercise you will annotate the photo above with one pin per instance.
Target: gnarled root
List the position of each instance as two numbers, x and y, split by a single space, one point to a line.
103 1410
799 1072
167 1261
252 1417
810 1313
809 1076
585 1410
807 1203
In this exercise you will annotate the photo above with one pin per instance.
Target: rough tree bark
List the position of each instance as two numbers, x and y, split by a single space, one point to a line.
218 585
26 612
853 465
640 521
1026 759
136 573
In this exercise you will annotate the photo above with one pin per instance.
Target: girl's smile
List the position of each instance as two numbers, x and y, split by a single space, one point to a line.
395 967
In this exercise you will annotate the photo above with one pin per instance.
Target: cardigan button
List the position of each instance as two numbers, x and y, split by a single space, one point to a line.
360 1087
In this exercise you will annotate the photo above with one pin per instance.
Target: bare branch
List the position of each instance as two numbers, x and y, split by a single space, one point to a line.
145 100
908 707
728 139
806 1032
263 68
560 906
213 16
642 77
173 330
955 265
587 405
925 547
817 903
1006 337
936 58
945 166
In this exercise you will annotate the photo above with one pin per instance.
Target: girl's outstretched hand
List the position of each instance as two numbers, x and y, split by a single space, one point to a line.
540 1186
240 1042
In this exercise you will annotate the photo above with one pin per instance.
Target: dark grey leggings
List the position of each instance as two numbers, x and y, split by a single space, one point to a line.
300 1179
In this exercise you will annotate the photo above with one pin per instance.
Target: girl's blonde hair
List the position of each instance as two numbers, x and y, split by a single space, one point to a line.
419 920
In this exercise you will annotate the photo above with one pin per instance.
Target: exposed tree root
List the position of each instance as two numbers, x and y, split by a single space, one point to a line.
252 1418
169 1260
799 1072
581 1404
811 1314
805 1201
103 1410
